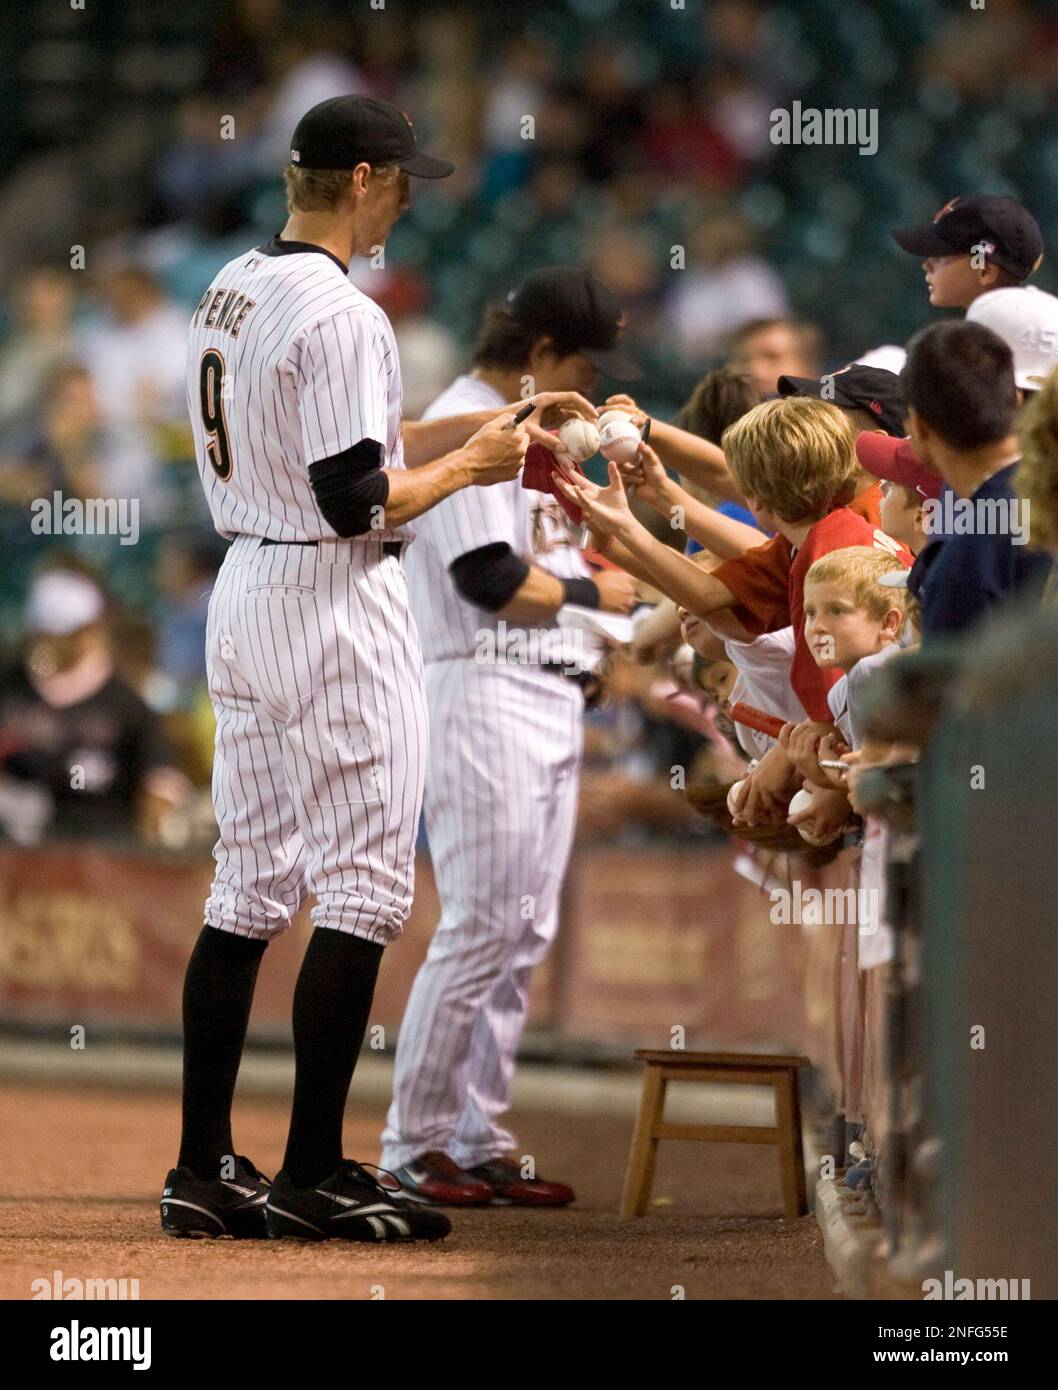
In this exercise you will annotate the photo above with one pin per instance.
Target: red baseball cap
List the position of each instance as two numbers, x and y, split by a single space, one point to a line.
895 461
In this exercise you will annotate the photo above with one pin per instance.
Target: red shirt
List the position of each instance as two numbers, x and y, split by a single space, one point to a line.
760 578
768 585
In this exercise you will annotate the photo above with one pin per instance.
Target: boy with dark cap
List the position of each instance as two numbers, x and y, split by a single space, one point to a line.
975 244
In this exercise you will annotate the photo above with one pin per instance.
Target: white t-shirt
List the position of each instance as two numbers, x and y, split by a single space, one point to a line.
764 681
846 695
532 524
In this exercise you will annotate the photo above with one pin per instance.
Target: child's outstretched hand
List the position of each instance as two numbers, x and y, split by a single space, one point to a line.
605 508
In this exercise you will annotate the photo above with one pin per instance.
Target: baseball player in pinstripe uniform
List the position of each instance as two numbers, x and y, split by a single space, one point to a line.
489 575
315 668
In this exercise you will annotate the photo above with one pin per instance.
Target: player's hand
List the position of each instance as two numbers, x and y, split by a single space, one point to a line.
617 591
553 407
496 453
605 509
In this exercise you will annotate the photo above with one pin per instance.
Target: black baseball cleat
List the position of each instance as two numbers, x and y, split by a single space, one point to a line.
349 1205
221 1207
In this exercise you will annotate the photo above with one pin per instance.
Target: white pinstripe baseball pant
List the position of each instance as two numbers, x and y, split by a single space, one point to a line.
315 674
501 801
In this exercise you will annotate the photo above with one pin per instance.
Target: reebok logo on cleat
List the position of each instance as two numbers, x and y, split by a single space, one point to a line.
379 1209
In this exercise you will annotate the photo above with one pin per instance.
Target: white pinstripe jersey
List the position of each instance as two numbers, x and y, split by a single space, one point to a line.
533 525
287 363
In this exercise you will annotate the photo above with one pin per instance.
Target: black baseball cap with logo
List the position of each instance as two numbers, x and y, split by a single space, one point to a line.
578 313
342 132
856 387
1008 234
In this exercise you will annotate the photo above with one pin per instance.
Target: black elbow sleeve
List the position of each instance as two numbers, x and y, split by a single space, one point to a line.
490 576
350 488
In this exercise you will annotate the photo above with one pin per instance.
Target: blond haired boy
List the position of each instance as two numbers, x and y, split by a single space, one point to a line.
794 460
853 621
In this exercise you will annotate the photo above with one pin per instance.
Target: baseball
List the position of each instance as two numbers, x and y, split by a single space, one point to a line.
610 415
802 801
733 794
619 440
579 438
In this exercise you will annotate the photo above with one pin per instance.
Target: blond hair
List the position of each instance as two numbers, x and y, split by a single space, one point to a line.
794 457
322 190
861 568
1037 477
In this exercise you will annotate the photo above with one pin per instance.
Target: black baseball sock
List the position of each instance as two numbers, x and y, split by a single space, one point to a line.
332 1003
218 992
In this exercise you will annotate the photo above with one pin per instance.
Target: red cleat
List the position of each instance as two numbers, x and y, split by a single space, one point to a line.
433 1178
509 1188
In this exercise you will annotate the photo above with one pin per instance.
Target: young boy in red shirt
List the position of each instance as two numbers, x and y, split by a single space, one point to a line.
794 462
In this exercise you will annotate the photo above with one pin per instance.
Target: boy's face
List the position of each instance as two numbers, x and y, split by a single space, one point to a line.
568 372
838 631
718 682
953 283
901 517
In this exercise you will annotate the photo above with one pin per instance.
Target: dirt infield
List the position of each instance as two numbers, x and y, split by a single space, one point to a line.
83 1169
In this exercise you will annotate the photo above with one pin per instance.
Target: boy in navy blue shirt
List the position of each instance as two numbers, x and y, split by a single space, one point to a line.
959 385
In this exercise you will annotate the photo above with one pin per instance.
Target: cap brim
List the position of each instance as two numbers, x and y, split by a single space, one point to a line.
921 241
612 362
877 453
800 386
425 166
885 457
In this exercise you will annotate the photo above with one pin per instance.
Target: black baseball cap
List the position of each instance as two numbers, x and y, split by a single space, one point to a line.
856 388
578 313
342 132
1008 234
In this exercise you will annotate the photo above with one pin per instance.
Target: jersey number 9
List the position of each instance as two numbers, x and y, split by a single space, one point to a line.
211 397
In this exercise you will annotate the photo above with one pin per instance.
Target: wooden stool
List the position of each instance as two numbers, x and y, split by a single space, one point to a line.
731 1068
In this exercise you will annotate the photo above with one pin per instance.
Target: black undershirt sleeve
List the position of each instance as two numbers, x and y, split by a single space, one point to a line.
350 486
490 576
